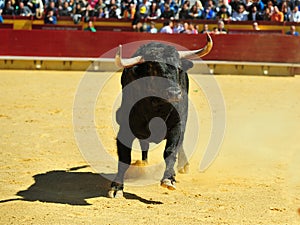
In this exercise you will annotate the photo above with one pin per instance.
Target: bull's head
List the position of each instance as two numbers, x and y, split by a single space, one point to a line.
194 54
159 60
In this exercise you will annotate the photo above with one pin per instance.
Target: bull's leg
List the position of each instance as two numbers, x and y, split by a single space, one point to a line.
183 164
174 141
124 154
145 147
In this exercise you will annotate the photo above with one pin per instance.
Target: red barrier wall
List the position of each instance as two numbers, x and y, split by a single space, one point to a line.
230 47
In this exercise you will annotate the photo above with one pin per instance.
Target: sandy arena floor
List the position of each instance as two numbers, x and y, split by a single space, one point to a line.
45 180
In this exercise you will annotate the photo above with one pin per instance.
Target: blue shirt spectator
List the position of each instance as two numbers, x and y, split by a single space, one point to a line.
292 31
50 18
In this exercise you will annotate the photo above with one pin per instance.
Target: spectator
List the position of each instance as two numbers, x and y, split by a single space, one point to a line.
59 5
167 27
78 13
50 18
196 11
139 27
292 31
172 4
223 14
23 10
8 9
141 13
64 11
100 13
241 14
154 11
254 15
277 16
178 27
89 13
100 9
128 8
184 11
248 5
186 29
153 29
92 3
295 15
270 6
200 8
215 30
221 29
193 29
205 29
143 9
267 15
235 4
2 5
1 10
259 5
286 11
290 3
113 10
255 26
36 7
90 27
224 2
168 13
72 5
53 8
1 18
209 10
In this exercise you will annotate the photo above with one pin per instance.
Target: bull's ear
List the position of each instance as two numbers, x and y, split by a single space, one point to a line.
186 64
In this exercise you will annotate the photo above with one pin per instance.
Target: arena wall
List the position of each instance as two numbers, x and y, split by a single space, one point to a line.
240 49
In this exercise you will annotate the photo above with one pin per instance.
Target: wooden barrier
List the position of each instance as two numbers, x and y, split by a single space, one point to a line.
261 54
230 47
113 28
55 27
6 25
251 31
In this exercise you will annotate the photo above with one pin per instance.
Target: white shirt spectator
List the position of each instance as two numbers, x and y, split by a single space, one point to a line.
2 4
241 15
166 30
295 15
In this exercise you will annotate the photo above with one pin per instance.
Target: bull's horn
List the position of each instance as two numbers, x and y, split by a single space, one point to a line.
125 63
198 53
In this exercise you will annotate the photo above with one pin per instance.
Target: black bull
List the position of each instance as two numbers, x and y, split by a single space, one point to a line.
154 85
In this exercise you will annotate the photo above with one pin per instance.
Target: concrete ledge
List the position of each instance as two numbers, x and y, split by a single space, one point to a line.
252 68
107 64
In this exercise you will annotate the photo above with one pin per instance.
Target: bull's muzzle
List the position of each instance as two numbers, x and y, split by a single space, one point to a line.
174 94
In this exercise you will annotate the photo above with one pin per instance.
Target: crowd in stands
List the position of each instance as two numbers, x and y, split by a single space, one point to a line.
139 10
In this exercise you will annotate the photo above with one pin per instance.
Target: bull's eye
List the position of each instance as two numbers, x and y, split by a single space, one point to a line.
179 70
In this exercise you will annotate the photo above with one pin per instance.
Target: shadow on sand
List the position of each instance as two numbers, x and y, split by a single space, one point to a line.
69 187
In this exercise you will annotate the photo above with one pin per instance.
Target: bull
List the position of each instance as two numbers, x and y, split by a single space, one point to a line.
158 74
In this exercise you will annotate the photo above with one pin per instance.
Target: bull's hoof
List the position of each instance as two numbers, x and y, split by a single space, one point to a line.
185 169
115 194
168 183
116 190
140 163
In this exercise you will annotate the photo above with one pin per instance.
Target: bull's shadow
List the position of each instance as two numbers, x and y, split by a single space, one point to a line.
69 187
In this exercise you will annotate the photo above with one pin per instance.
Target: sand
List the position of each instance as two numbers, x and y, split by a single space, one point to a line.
46 180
